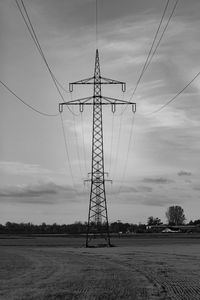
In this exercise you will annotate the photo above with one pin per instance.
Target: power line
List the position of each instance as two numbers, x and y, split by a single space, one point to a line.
179 93
162 34
36 41
118 137
123 110
111 143
150 50
127 155
76 139
28 105
150 54
83 139
117 148
67 152
32 32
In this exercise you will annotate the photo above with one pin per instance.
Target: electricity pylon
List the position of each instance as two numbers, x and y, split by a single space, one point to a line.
97 226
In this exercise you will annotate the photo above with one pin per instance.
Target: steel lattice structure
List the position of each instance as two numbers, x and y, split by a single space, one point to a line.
97 226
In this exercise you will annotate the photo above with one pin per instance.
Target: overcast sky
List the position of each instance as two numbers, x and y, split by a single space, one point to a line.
155 168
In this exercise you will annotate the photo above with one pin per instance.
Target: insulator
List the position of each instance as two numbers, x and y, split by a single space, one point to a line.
71 87
123 87
81 107
134 107
113 105
60 108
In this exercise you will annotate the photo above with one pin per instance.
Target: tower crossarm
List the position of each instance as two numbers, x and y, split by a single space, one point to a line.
102 80
105 80
113 102
89 80
97 181
80 102
104 101
116 100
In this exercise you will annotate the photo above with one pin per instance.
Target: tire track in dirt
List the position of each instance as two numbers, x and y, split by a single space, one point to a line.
60 274
176 285
182 289
80 274
42 273
177 280
153 290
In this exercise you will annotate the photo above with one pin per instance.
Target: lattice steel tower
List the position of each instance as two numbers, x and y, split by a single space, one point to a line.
97 226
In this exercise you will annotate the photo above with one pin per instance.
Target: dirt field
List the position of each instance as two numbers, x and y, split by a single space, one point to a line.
138 268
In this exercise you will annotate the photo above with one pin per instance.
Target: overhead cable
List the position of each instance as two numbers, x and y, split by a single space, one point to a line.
150 54
83 140
150 50
111 144
165 28
76 140
115 115
67 153
32 32
36 41
127 154
117 147
28 105
178 94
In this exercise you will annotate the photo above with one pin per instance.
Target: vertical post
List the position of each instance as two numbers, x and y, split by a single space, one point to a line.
97 225
97 216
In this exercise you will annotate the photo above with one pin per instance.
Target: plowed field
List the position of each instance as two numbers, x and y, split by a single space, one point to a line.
135 269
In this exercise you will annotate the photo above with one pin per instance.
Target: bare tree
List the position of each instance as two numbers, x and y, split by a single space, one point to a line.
175 215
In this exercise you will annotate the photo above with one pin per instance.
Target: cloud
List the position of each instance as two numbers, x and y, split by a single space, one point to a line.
147 197
184 173
19 168
27 191
196 188
44 191
126 190
143 188
159 180
161 201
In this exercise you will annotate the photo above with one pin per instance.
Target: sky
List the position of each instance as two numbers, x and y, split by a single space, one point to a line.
152 158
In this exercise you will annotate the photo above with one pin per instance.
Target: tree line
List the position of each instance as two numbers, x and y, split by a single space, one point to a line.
81 228
75 228
175 216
